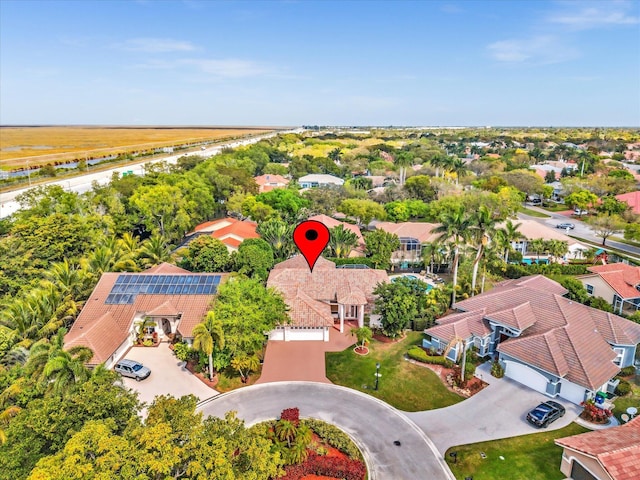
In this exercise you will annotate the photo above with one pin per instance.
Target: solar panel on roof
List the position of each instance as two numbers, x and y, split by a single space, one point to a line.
127 287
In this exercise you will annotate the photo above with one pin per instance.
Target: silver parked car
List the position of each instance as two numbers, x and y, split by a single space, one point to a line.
132 369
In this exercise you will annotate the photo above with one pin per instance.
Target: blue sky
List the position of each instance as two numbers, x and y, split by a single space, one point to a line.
147 62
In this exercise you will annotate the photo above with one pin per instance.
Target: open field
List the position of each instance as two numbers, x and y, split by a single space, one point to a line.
42 145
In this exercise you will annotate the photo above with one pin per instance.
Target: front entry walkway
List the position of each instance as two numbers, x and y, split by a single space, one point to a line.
302 360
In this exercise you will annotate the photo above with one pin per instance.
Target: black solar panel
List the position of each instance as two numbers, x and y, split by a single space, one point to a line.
126 288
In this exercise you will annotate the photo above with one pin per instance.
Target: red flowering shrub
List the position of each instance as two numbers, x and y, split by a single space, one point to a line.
334 467
593 413
291 414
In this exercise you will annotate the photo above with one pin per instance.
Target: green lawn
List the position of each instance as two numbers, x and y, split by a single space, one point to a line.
529 457
406 386
534 213
630 400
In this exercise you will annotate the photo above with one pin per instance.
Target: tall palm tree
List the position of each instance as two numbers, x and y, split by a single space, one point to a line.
153 251
286 430
459 167
207 336
507 235
342 241
537 245
280 235
403 160
482 223
557 248
454 226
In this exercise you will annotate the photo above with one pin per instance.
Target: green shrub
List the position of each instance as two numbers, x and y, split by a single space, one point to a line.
148 342
182 351
623 388
418 354
497 370
420 324
628 371
517 271
353 261
334 437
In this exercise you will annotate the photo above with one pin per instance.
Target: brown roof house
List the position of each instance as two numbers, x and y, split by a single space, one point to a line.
413 235
617 283
330 222
269 182
228 230
173 299
323 299
608 454
542 339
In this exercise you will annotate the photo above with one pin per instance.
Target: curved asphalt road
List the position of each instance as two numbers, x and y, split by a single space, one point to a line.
372 424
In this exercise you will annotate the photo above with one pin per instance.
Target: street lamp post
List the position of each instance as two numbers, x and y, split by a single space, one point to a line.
377 374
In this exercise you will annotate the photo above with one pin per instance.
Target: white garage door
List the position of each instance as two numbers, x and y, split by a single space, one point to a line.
294 334
572 392
276 334
527 376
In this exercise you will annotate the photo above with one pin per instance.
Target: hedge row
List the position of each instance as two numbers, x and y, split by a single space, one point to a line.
418 354
352 261
517 271
334 437
334 467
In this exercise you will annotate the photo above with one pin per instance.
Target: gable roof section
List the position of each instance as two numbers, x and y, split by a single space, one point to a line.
468 323
631 198
617 449
559 336
531 229
621 277
270 179
421 231
165 267
230 231
104 327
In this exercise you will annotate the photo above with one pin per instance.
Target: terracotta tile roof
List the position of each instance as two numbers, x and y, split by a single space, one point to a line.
633 199
421 231
531 230
621 277
230 231
309 294
165 267
467 324
559 336
617 449
332 223
104 327
271 179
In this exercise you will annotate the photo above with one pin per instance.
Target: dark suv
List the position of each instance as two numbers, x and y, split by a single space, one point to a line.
545 413
132 369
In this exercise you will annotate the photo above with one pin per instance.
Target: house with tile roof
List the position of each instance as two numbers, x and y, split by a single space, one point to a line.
532 230
230 231
270 181
607 454
413 235
330 222
632 199
543 340
617 283
324 299
172 299
314 180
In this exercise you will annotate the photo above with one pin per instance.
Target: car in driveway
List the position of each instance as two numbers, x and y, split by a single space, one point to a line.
565 226
545 413
132 369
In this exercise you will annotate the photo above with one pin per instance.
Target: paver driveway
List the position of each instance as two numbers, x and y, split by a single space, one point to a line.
498 411
372 424
168 375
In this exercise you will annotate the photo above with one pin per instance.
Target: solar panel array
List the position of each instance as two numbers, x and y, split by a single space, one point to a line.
126 288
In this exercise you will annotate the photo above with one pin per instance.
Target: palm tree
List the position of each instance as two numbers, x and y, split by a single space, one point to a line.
537 245
66 276
508 234
154 250
363 334
342 241
245 364
482 222
280 235
207 336
298 453
6 415
403 160
438 161
286 430
454 226
459 167
557 248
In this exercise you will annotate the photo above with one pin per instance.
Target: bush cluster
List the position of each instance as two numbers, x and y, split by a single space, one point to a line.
353 261
334 467
497 370
418 354
291 414
623 388
182 351
334 437
628 371
595 414
517 271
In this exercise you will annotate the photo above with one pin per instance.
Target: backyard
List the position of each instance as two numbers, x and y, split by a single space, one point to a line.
632 399
406 386
531 457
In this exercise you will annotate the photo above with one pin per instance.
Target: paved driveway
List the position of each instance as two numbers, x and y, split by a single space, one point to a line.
168 375
498 411
372 424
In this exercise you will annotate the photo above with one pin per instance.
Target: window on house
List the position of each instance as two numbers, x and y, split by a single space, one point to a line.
589 288
619 355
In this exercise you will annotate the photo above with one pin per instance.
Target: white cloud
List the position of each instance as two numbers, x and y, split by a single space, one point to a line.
538 50
223 68
156 45
578 16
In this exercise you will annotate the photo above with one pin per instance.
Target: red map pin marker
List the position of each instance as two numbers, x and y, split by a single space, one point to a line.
311 237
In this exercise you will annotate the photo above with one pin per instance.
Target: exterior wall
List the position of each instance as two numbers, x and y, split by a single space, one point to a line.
628 356
288 334
589 463
573 392
600 287
119 353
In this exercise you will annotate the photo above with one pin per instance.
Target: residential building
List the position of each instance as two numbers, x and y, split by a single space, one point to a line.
330 222
543 340
532 230
324 299
269 181
617 283
608 454
173 299
413 235
230 231
319 180
632 199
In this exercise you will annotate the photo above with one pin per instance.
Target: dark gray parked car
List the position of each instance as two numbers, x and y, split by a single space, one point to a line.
545 413
132 369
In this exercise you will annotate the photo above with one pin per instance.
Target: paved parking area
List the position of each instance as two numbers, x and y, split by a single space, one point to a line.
168 375
498 411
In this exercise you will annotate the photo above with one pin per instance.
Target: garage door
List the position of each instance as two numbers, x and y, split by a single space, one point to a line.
527 376
572 392
294 334
578 472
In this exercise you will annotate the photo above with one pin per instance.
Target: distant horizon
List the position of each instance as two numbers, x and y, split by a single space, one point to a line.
307 125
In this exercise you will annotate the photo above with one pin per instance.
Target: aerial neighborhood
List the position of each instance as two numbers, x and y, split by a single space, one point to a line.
480 284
